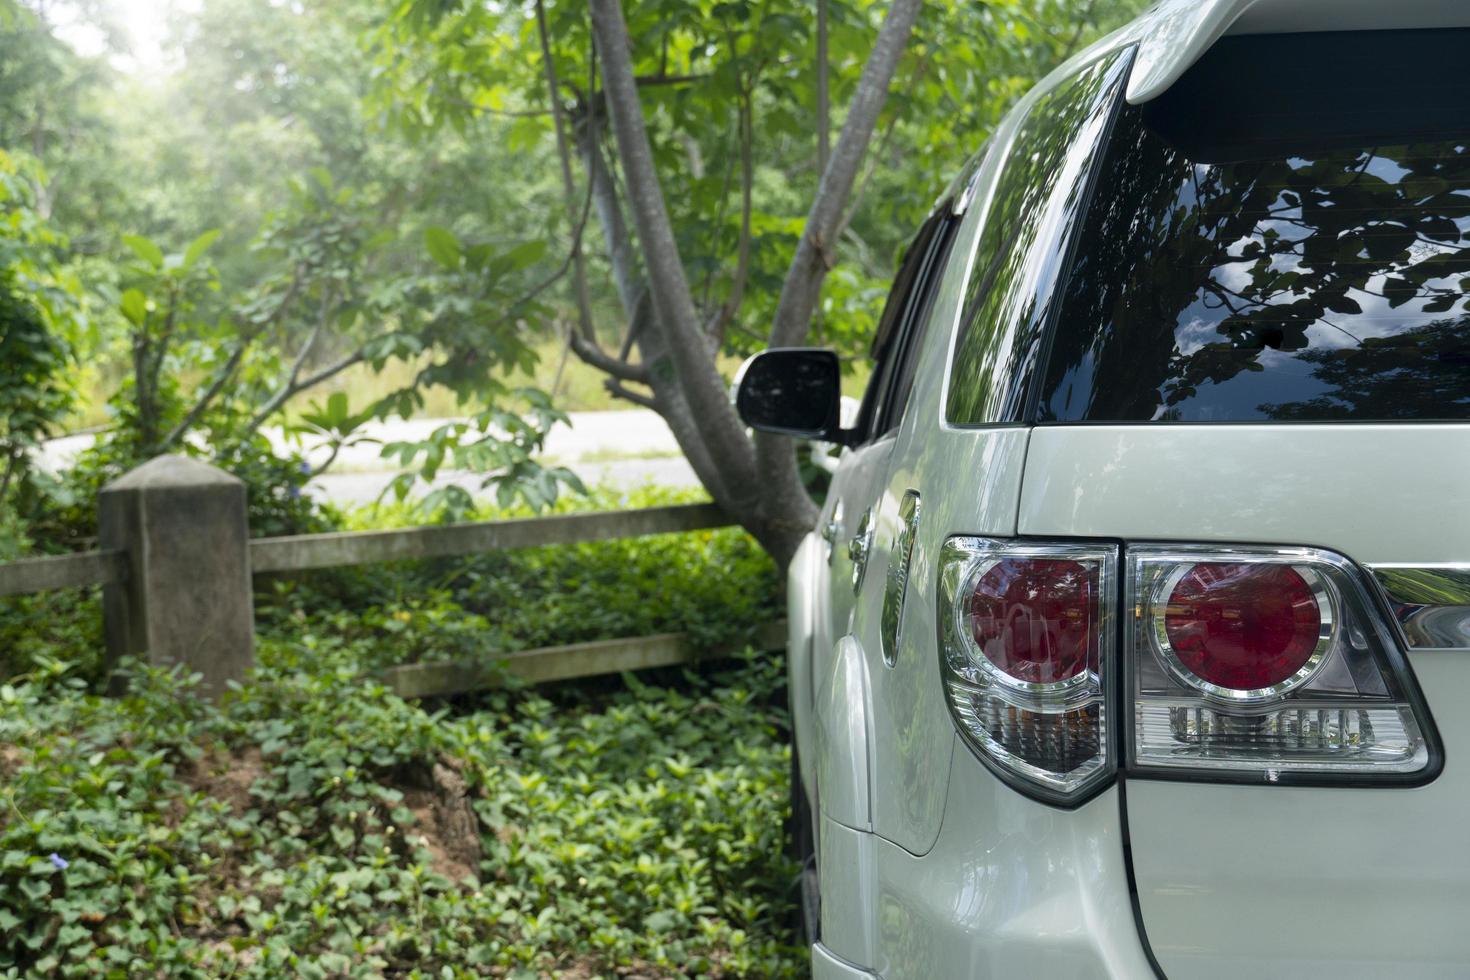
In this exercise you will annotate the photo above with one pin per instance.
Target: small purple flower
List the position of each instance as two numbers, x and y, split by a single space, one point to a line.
60 862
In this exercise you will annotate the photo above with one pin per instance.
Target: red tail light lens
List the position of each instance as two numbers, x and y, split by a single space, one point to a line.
1033 618
1245 626
1026 641
1266 664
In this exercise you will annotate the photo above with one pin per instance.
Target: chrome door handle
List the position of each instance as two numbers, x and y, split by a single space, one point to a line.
859 547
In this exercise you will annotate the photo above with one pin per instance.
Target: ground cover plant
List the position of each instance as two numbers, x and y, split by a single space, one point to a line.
316 825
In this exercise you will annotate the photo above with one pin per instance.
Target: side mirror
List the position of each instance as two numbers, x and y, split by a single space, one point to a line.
791 391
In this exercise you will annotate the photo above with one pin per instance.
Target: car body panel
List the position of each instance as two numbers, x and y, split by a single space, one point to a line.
968 478
1239 880
845 868
828 966
1010 889
804 607
1376 493
1319 882
844 733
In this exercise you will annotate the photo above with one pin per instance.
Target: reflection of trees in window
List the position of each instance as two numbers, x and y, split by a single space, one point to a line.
1316 270
1420 374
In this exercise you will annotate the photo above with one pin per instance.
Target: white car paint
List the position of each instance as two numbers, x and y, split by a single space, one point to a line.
962 876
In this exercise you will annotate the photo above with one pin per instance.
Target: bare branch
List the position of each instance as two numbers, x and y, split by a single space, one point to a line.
824 99
232 365
617 390
218 385
564 157
803 285
287 392
1082 20
590 353
742 251
650 81
862 187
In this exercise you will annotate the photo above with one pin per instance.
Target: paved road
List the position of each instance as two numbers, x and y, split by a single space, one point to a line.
623 449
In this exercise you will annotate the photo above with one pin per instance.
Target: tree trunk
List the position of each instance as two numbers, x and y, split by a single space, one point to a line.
757 482
769 502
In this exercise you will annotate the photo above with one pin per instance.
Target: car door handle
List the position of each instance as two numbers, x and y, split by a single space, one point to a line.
859 548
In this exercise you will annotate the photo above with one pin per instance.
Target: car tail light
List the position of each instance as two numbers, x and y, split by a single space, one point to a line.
1027 646
1266 664
1272 665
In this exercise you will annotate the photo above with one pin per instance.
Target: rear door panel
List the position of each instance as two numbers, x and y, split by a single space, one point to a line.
1250 880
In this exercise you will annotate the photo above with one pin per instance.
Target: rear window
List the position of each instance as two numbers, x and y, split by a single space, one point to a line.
1285 235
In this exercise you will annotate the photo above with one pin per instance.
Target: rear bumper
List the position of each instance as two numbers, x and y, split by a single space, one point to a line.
1011 888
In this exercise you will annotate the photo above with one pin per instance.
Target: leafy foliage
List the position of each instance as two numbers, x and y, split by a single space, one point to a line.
287 833
719 586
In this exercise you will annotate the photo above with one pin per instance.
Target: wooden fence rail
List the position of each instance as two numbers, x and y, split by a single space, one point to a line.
177 560
305 551
63 572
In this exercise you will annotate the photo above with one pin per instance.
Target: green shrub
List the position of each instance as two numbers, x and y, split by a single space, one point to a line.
66 626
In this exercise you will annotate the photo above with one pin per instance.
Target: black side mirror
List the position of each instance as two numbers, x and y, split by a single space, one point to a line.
791 391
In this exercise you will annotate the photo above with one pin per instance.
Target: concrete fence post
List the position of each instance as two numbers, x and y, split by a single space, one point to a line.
187 598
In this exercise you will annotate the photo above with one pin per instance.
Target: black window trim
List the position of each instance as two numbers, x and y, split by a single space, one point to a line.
893 349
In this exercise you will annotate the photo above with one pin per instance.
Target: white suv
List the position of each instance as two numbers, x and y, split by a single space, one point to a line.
1135 636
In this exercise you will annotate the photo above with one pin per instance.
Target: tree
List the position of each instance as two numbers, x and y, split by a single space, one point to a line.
698 198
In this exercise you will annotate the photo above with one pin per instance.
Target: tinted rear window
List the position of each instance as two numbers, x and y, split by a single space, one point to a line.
1284 236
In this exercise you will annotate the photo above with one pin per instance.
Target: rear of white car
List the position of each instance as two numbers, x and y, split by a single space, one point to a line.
1139 640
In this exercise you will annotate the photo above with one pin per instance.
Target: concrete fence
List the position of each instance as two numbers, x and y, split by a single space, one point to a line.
176 561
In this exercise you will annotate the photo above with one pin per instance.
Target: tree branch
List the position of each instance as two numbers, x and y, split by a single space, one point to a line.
1077 34
212 392
650 81
742 250
615 388
287 392
591 353
233 364
824 100
676 319
803 285
564 157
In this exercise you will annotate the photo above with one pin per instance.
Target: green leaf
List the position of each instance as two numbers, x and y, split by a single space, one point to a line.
199 246
337 407
134 306
444 248
527 254
145 250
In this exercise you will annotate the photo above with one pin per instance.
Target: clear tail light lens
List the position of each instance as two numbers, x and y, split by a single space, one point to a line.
1269 664
1027 650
